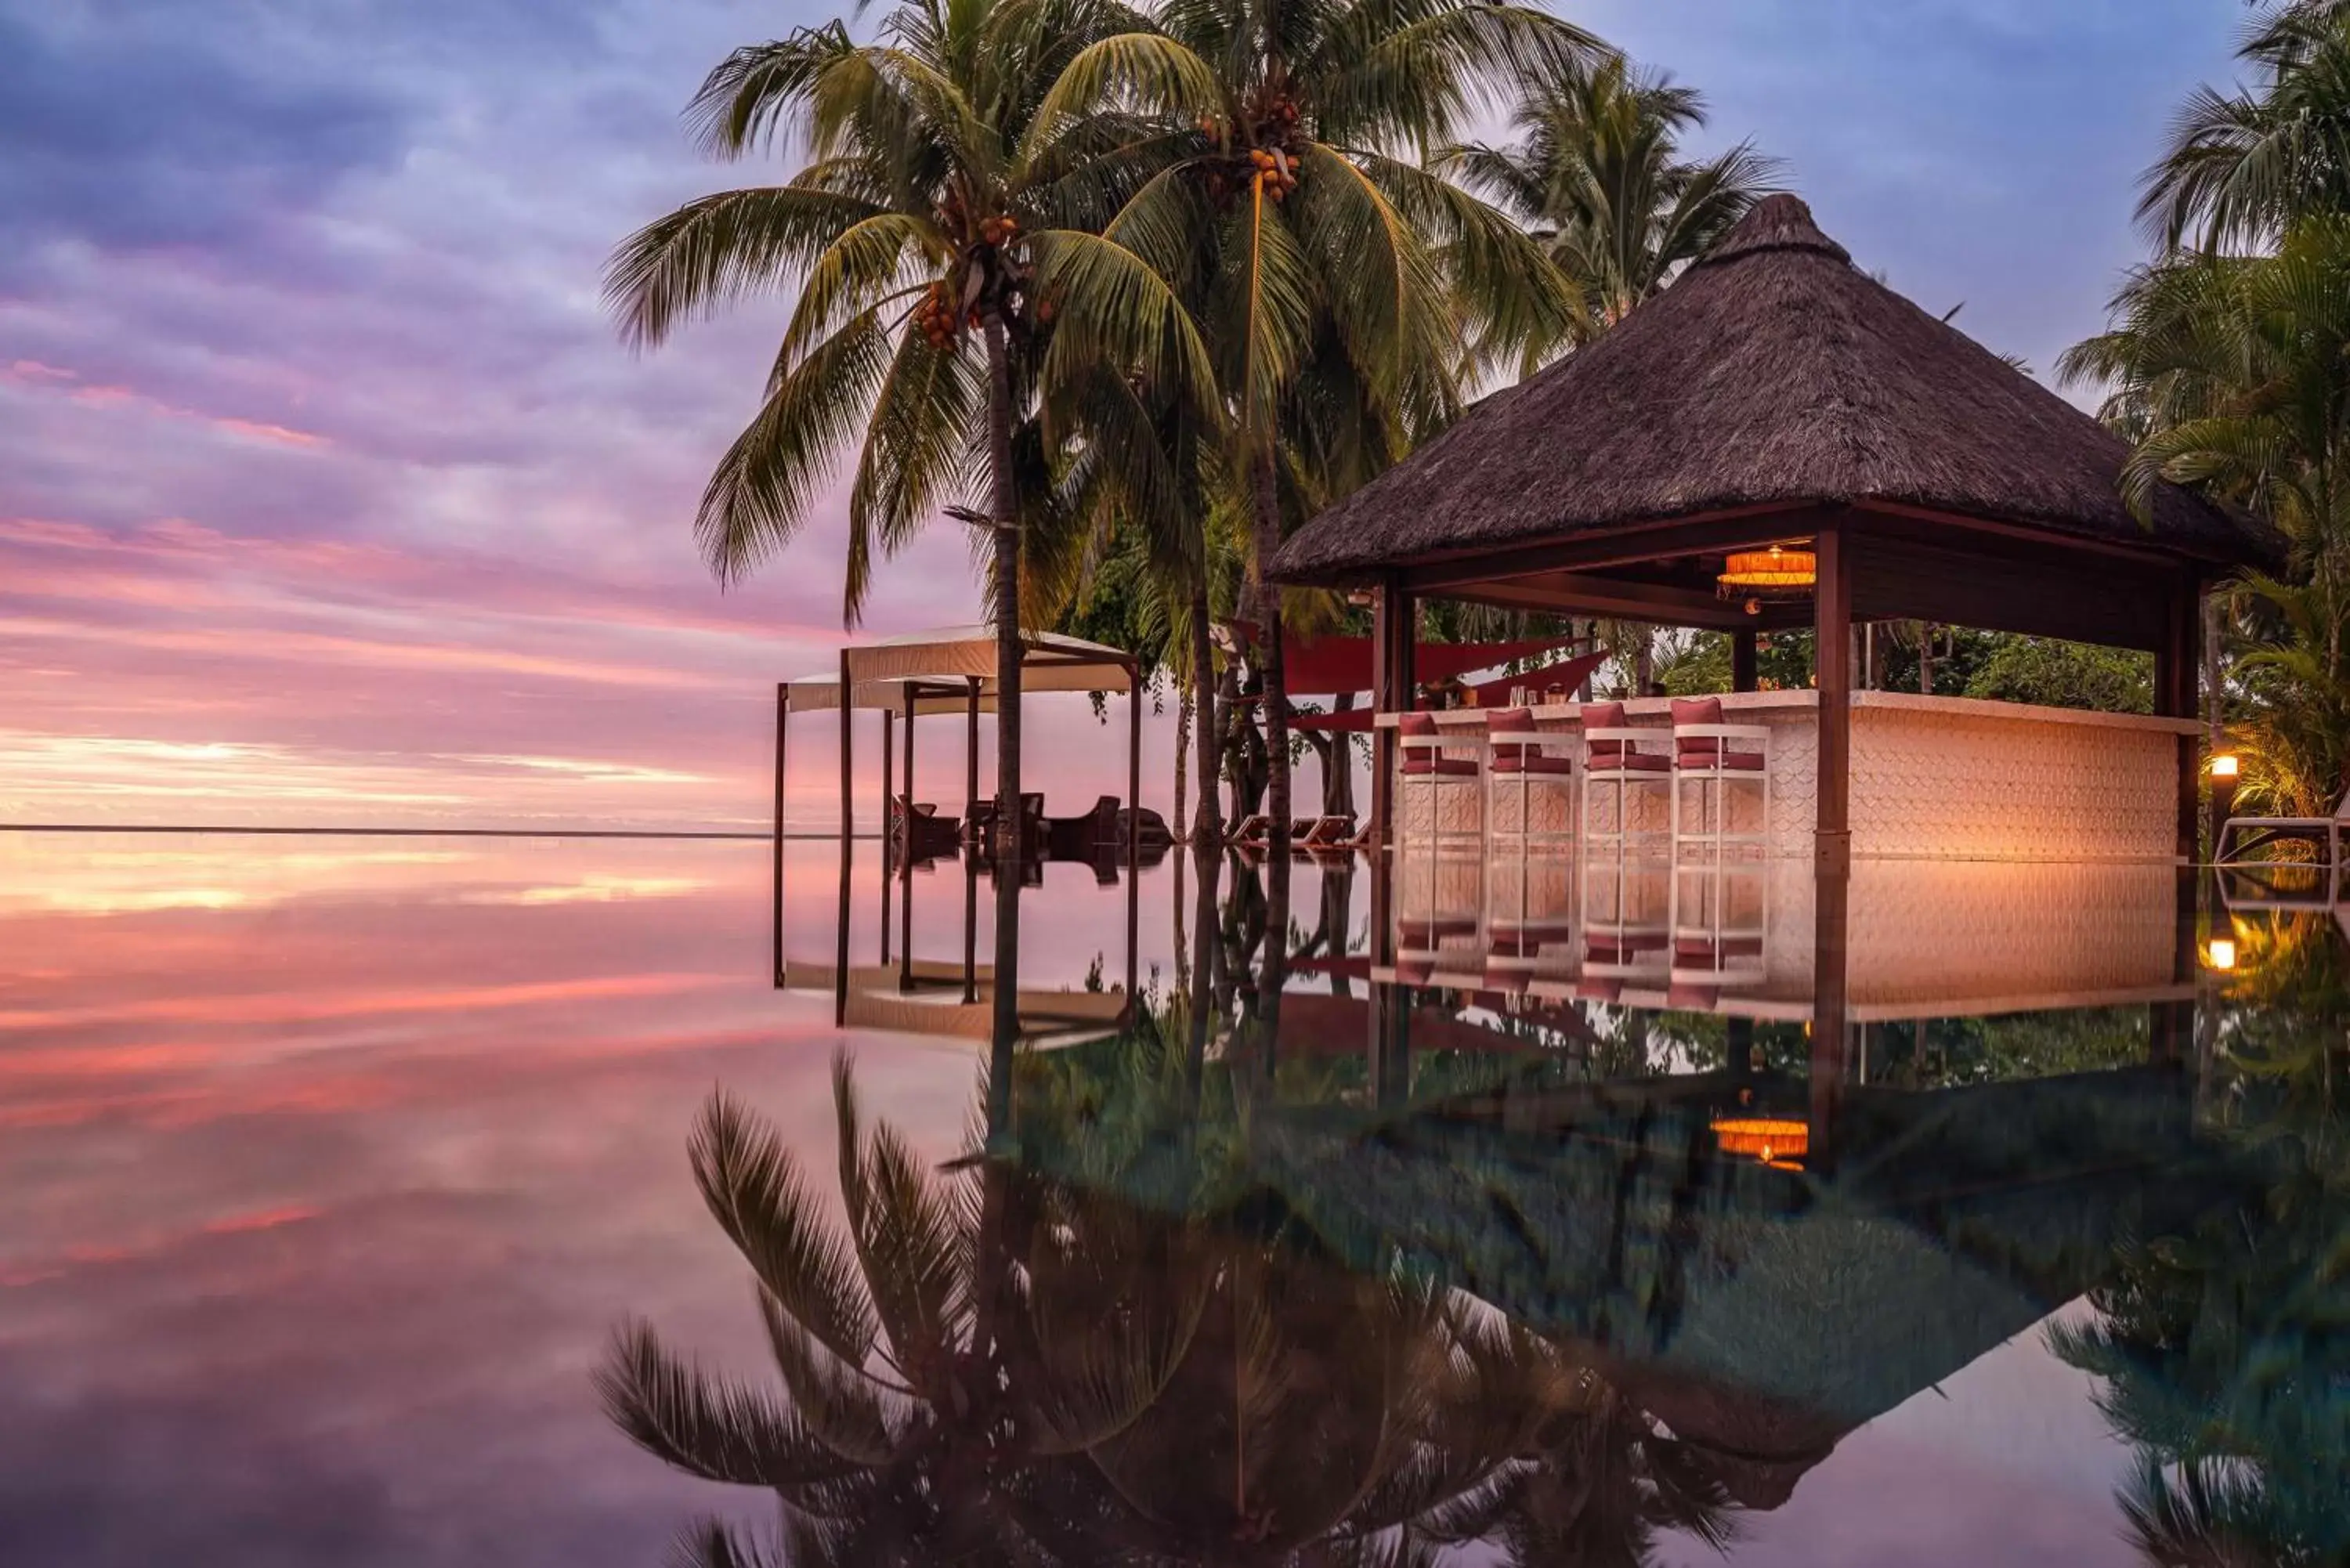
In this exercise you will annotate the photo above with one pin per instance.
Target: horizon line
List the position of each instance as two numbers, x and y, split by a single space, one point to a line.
762 836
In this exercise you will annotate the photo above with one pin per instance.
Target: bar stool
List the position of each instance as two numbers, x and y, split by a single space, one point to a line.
1612 755
1707 751
1420 745
1526 760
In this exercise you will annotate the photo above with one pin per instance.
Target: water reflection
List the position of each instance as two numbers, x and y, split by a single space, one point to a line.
1562 1212
332 1167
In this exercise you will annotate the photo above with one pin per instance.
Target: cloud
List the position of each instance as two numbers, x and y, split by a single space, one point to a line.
141 137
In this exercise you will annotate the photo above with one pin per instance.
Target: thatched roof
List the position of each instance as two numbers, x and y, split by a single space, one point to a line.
1774 372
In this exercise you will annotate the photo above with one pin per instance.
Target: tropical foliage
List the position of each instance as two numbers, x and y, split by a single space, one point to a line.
2228 361
1598 174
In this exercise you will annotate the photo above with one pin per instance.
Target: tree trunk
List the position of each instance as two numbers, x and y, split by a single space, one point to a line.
1207 734
1644 661
1926 659
1003 507
1276 685
1338 764
1182 760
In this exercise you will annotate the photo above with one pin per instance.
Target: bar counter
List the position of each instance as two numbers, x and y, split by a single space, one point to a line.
1942 778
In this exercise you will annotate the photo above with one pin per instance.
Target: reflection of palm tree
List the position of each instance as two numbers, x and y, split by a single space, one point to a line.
925 1381
2220 1346
994 1366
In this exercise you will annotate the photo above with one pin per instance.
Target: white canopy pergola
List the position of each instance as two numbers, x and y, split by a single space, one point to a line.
946 670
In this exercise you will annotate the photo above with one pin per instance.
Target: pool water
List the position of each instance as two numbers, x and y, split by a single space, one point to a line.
354 1212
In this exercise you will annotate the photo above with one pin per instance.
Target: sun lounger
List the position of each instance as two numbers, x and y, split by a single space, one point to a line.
1252 833
2259 832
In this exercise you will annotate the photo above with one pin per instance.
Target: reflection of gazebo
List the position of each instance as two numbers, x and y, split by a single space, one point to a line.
1777 396
948 671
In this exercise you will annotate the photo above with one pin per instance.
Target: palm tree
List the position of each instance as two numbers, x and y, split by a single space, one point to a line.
2230 373
1334 277
1597 171
956 304
2244 166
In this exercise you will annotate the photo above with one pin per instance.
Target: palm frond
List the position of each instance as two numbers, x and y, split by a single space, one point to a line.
719 1431
717 249
753 1188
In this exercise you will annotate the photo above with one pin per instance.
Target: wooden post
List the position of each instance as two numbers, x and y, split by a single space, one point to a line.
889 728
906 856
848 752
783 720
2175 668
1832 650
1133 782
1831 890
840 945
1744 660
1394 632
969 753
911 689
1387 1041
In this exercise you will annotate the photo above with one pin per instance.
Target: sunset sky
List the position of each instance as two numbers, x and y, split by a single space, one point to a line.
328 495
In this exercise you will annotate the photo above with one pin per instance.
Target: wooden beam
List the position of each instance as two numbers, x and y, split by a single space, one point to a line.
1832 604
2024 532
1906 570
1610 598
1744 662
1619 548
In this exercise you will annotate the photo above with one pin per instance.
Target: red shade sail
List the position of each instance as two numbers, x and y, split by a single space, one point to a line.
1329 665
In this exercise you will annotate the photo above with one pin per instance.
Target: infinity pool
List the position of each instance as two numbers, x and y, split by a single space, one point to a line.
346 1180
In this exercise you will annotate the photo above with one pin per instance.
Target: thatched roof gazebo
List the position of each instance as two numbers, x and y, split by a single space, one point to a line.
1778 395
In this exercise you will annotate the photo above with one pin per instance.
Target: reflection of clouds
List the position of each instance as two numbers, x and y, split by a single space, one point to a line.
319 1272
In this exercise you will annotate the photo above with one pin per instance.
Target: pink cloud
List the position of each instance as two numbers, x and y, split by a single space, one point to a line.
33 374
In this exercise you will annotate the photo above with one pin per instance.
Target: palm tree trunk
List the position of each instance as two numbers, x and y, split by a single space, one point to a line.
1208 733
1004 508
1275 699
1182 758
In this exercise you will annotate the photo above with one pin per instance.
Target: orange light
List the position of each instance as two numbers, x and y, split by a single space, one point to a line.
2226 765
1775 570
2221 953
1773 1140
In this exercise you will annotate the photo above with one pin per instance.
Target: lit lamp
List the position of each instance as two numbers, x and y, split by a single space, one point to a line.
1778 572
1779 1142
2221 954
2226 767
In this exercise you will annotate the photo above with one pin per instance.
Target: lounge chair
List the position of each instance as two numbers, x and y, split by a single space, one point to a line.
1253 832
1326 832
2264 831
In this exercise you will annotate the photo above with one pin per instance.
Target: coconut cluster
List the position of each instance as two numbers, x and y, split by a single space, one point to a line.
941 313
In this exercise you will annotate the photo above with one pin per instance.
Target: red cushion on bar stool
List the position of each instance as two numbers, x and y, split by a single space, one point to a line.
1420 760
1696 751
1604 716
1510 721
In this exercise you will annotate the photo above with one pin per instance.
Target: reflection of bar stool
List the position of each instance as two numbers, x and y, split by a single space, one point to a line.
1627 928
1707 751
1526 761
1718 935
1612 755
